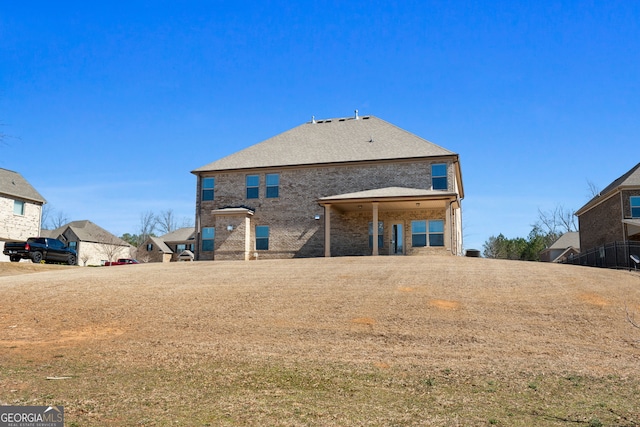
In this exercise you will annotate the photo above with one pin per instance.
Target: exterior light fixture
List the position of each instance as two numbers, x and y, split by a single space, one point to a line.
317 217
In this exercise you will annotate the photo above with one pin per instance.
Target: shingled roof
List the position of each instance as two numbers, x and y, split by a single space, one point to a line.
14 185
331 141
631 179
87 231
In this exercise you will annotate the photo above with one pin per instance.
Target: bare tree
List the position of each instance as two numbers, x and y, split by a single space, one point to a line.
557 221
110 245
593 190
187 222
167 221
52 218
148 225
84 258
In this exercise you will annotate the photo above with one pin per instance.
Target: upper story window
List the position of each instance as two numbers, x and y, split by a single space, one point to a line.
439 176
253 186
18 207
262 237
273 184
208 234
635 206
207 188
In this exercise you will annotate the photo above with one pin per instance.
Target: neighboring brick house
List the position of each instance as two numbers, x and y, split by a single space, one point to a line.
167 248
94 244
614 214
319 188
20 209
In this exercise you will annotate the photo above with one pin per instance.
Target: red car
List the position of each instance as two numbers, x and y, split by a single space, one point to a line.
122 261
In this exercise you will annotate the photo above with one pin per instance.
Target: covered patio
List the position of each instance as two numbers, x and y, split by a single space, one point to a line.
397 200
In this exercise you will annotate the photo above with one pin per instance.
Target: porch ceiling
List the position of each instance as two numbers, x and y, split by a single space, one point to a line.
633 227
389 205
390 199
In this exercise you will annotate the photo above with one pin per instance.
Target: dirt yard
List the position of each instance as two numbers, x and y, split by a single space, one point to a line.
440 341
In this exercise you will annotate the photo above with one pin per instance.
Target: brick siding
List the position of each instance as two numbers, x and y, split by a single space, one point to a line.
601 224
294 231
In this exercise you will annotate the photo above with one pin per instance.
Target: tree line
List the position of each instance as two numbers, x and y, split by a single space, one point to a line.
546 230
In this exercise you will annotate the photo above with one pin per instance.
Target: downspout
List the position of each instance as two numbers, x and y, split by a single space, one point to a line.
198 214
624 226
453 242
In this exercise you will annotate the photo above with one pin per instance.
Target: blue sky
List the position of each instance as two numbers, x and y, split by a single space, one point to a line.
108 106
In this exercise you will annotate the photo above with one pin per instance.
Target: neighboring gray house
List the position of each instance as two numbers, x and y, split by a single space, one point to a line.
20 209
336 187
167 248
567 245
614 214
94 244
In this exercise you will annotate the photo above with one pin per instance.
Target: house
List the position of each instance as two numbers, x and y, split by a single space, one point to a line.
167 248
336 187
613 215
20 209
94 244
566 246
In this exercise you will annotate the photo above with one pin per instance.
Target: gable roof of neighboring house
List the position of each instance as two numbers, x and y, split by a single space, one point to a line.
180 235
342 140
13 184
87 231
568 243
631 179
567 240
162 246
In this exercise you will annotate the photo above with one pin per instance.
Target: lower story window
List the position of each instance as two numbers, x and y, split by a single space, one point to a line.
433 235
418 233
208 234
262 237
436 233
380 234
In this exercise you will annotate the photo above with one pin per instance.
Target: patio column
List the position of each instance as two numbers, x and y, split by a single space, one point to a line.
247 238
327 230
375 228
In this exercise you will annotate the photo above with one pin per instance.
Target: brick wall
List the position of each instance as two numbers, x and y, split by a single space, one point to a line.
626 201
601 224
294 231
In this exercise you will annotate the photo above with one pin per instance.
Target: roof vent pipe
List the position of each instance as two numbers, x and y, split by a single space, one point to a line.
356 114
313 119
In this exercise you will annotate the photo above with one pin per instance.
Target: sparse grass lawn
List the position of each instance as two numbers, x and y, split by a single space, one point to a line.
386 341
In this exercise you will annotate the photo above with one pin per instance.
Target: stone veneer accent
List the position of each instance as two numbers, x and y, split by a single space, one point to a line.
18 227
